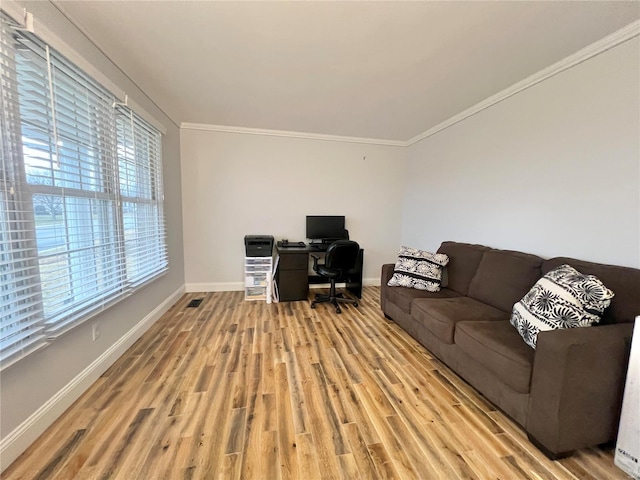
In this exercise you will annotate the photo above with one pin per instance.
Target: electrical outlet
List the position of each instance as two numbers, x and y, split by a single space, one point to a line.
96 331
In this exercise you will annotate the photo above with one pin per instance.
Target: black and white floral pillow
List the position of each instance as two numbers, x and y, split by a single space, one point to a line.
563 298
418 269
587 289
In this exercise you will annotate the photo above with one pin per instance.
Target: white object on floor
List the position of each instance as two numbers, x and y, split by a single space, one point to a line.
627 456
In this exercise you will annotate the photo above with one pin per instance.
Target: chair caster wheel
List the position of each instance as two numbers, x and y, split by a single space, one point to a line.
338 310
355 304
313 305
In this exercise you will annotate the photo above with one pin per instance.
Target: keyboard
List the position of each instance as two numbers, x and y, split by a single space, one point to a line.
292 245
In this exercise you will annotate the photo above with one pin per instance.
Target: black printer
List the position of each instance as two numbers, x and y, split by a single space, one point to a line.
258 245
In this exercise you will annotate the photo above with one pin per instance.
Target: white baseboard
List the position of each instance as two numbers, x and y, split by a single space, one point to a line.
374 282
239 286
12 446
215 287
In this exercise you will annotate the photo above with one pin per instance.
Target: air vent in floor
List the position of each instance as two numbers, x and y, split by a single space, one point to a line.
195 303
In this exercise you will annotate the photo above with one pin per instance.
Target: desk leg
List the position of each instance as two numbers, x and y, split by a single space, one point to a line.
354 282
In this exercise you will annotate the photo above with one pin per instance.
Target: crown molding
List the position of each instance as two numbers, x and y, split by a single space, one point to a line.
284 133
626 33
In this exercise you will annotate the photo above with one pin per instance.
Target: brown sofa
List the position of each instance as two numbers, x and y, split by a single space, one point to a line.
567 393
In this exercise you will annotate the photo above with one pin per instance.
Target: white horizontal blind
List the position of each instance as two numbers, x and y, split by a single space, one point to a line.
21 320
68 126
81 203
140 174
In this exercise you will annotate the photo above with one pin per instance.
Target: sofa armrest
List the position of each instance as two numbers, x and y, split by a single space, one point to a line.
387 273
576 387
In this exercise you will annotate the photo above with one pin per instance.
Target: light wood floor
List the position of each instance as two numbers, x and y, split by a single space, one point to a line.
239 389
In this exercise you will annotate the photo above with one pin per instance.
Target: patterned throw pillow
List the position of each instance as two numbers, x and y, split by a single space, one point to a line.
587 289
563 298
418 269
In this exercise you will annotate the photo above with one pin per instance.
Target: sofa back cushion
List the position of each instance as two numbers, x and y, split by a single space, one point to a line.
624 281
464 259
504 277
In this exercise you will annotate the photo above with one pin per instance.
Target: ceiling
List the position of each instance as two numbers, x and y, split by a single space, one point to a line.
384 70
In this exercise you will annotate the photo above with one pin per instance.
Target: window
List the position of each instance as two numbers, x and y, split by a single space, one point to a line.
81 196
140 184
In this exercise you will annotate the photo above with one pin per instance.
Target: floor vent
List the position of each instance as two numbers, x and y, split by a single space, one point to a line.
195 303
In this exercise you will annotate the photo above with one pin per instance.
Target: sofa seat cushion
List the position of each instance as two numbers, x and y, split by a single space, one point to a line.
498 347
440 315
403 296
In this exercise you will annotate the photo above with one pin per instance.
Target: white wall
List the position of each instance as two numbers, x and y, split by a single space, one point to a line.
237 184
39 388
553 170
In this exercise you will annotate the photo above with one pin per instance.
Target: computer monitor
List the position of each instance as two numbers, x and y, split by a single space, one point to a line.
325 227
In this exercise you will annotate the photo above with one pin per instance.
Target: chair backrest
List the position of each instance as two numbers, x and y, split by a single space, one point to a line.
342 255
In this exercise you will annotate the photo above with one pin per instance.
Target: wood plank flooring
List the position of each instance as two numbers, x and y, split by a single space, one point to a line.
237 389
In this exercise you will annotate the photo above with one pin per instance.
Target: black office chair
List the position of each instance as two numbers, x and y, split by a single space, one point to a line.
341 257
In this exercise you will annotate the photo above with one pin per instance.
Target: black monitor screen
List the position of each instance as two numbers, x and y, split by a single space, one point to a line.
325 227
